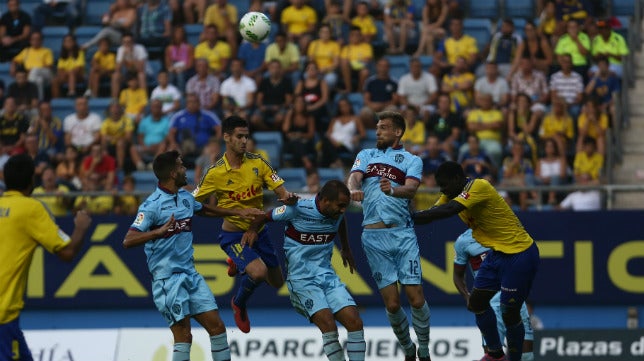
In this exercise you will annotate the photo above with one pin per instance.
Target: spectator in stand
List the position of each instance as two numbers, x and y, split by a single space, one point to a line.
40 158
343 135
335 20
457 45
534 46
415 133
551 169
68 169
316 95
224 16
151 135
418 88
210 154
576 45
49 130
446 125
53 194
253 55
488 125
426 196
134 98
522 124
70 69
127 203
38 62
570 10
216 51
299 21
98 168
325 52
53 8
154 21
503 47
116 134
284 51
364 21
204 85
192 127
588 162
593 123
459 84
611 45
558 125
94 204
120 20
400 26
82 128
549 26
298 130
15 27
102 67
475 162
602 85
179 58
492 83
13 129
355 59
238 91
583 199
274 97
2 93
380 92
568 85
531 82
167 93
433 156
432 26
130 58
188 9
24 92
517 171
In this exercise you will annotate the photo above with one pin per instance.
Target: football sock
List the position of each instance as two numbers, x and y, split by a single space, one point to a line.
527 356
356 346
420 322
219 347
181 351
400 325
331 346
245 290
486 322
515 335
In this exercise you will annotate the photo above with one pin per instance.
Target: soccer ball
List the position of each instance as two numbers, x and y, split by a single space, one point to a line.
254 26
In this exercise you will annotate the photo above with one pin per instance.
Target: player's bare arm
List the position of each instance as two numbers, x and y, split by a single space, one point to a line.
407 190
286 197
216 211
134 238
355 186
443 211
82 222
459 281
250 236
347 256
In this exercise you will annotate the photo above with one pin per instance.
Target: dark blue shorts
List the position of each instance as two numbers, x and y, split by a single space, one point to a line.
511 273
263 248
12 342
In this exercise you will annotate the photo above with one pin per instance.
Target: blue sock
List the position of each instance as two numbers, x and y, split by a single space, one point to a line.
356 346
331 346
486 322
420 322
219 347
400 325
181 351
527 356
515 335
245 290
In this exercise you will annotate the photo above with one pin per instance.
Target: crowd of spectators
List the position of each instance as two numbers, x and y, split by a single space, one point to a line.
530 107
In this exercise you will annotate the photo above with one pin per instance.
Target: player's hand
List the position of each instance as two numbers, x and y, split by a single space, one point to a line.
82 220
161 231
357 195
290 199
249 238
347 259
385 186
250 213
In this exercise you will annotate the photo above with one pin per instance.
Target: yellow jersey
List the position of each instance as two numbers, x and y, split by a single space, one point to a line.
367 25
117 129
593 129
290 55
463 47
95 204
588 164
493 223
362 52
552 125
35 58
215 55
238 188
55 203
213 17
461 99
70 63
415 134
323 53
25 224
105 61
486 117
299 21
134 100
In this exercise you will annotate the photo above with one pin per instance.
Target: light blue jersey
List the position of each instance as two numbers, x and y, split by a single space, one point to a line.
173 252
395 164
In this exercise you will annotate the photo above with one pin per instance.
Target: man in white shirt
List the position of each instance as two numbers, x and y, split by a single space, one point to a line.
238 91
418 88
130 57
83 127
167 93
582 200
494 85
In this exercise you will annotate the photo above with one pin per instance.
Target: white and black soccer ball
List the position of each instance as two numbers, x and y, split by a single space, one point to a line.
254 26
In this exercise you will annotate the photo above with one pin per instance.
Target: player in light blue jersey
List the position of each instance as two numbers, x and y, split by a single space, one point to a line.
315 289
164 225
385 179
470 254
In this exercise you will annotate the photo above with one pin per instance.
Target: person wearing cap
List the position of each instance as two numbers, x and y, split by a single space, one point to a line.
611 45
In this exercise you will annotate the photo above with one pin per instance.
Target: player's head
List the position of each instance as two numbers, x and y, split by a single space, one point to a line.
236 134
169 169
451 179
334 198
389 130
19 173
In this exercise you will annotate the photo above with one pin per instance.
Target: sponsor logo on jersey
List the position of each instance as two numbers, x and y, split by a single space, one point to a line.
250 192
275 178
465 195
139 219
280 210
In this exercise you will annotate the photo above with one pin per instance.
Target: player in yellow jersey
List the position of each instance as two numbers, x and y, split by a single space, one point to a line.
25 224
510 266
237 180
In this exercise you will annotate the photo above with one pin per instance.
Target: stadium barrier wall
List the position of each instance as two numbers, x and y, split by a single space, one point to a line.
588 258
589 345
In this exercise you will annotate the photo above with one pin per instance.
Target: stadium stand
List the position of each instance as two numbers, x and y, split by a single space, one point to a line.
523 9
294 178
483 9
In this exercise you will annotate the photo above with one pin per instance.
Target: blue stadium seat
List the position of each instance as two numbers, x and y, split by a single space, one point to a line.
62 107
241 5
271 142
623 7
294 178
268 137
426 60
327 174
95 10
85 33
27 7
145 181
479 29
370 140
154 66
193 32
518 9
624 30
5 76
190 174
53 38
418 8
398 65
357 101
379 42
99 105
484 9
519 25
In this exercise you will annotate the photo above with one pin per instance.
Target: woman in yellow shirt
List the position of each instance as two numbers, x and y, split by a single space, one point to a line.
71 67
325 52
558 125
592 122
103 65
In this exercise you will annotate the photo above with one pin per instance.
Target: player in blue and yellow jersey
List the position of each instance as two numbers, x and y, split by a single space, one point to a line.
26 223
385 179
315 289
164 225
470 254
511 264
237 180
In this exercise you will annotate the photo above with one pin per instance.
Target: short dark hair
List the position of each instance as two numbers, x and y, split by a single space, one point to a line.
450 170
331 189
232 122
19 172
396 118
164 164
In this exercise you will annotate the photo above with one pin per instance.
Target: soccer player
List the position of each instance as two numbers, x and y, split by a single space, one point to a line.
470 254
25 224
385 179
315 289
511 264
237 180
164 225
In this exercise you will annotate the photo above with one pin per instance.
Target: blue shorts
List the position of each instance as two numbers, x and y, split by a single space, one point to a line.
311 295
511 273
230 242
393 255
12 342
182 295
495 303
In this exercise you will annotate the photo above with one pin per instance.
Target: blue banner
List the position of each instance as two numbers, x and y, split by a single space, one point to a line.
590 258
